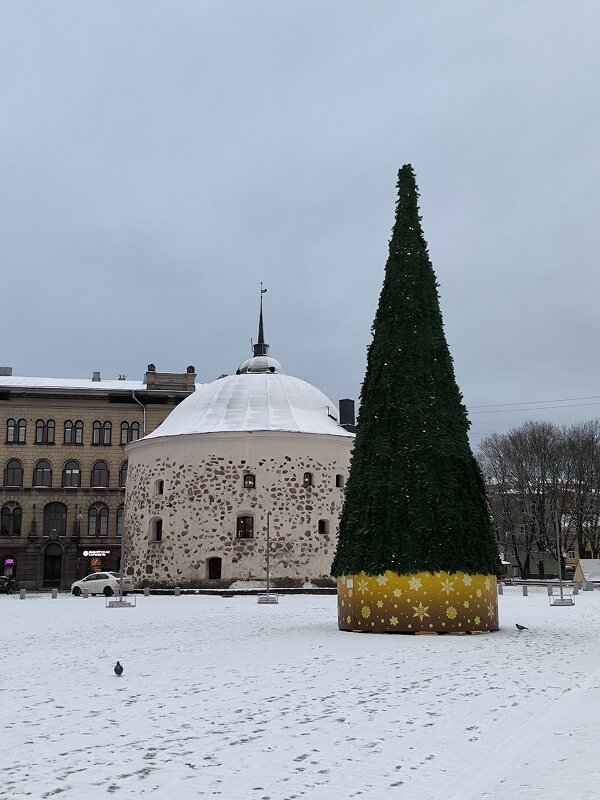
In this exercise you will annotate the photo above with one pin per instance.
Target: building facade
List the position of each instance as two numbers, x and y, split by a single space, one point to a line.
64 469
255 457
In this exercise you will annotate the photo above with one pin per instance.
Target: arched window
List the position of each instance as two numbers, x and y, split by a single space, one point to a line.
307 480
156 530
10 520
130 433
73 432
123 475
100 475
339 481
44 431
15 431
55 519
120 521
159 487
21 431
245 527
13 474
42 474
101 433
72 474
249 481
98 520
323 526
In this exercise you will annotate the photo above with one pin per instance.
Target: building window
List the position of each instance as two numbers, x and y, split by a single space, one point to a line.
44 431
123 475
55 519
11 520
13 474
156 529
307 480
15 431
101 433
73 432
159 487
98 520
339 481
249 481
570 553
72 474
245 527
120 521
130 433
100 475
323 526
42 474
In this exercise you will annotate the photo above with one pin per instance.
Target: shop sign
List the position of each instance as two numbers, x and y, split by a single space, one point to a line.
8 561
96 553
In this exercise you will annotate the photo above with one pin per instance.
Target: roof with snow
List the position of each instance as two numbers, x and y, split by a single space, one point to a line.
588 569
253 401
21 382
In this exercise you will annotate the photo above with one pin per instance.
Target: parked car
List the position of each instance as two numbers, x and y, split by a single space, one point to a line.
106 583
7 584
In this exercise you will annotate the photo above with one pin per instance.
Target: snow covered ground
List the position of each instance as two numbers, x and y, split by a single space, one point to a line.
225 698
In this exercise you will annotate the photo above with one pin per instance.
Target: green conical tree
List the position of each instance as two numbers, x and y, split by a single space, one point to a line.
415 498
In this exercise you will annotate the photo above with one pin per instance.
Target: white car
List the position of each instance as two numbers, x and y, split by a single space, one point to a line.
106 583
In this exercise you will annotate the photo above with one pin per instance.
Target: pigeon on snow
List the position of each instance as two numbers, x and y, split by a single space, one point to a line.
118 669
521 627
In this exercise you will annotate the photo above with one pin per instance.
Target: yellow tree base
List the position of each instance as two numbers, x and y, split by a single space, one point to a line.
424 602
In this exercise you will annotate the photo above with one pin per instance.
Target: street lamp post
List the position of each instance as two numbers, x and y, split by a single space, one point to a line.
268 550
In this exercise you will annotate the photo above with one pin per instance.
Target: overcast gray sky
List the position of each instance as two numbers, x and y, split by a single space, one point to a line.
158 159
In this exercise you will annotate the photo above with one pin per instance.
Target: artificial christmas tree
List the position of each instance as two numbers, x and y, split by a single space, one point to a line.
416 550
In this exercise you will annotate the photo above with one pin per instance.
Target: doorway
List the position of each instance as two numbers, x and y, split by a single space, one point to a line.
52 566
214 569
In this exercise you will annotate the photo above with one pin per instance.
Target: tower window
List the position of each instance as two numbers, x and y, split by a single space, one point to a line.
245 527
339 481
249 481
156 529
307 480
159 487
323 526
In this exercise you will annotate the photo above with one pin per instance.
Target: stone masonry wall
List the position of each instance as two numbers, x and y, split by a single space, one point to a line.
204 493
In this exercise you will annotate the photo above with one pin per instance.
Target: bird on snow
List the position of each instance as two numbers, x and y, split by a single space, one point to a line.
521 627
118 669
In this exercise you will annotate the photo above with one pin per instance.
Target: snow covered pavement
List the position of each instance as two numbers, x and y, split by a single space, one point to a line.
225 698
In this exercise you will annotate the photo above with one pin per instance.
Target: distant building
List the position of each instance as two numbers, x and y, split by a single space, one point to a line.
255 449
64 468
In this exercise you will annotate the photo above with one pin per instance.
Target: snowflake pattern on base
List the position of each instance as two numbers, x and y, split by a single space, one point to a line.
424 602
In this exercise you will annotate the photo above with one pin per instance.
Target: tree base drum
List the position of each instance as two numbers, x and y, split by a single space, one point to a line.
424 602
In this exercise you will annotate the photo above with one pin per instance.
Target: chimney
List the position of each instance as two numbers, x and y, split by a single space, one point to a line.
347 415
6 372
96 377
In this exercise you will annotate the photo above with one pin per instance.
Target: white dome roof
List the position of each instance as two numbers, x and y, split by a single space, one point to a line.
253 402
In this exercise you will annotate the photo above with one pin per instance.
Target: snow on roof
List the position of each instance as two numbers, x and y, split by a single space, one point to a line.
590 568
20 382
253 402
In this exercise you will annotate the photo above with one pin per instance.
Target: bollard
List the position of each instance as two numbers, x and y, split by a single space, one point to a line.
146 592
54 594
500 588
177 591
524 590
22 594
86 592
576 589
550 590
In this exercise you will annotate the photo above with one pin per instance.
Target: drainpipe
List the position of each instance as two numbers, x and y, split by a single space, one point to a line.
143 409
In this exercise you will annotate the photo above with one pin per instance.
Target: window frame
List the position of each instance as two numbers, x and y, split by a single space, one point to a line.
98 516
8 513
48 469
70 485
249 480
8 468
98 467
244 526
